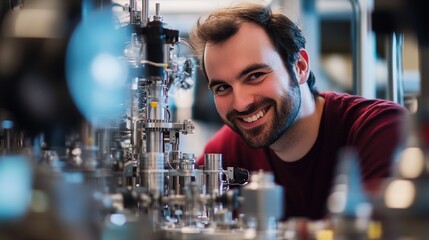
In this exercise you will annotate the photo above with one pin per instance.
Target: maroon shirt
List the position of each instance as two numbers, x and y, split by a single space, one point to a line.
373 127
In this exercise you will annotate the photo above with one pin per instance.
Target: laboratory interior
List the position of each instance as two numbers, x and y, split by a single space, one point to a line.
104 111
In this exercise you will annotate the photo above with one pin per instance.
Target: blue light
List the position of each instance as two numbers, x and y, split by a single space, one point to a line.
15 187
6 124
96 73
118 219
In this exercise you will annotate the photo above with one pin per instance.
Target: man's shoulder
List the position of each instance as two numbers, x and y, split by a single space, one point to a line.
353 103
355 114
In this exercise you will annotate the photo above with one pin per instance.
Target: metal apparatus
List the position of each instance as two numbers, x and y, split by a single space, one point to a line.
168 186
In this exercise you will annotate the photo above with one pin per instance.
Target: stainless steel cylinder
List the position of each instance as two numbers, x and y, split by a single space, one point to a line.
213 171
152 172
145 12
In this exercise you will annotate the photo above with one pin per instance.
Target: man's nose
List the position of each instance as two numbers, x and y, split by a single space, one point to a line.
242 99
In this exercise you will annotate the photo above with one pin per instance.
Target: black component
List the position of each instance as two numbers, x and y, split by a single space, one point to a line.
238 176
156 36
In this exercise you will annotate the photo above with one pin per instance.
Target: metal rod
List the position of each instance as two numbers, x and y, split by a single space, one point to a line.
394 48
363 79
213 169
392 77
145 12
400 69
355 35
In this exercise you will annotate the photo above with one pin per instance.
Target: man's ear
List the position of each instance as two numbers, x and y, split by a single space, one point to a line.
302 66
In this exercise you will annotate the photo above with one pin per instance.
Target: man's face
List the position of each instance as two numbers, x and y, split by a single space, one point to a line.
253 91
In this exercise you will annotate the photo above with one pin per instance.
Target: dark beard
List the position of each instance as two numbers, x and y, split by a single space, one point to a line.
284 117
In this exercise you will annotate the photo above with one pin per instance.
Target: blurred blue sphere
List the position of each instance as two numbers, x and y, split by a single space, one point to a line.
96 72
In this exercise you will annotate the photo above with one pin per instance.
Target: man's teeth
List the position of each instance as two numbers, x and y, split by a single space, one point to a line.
254 117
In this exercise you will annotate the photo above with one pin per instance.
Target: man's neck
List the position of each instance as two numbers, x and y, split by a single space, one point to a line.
302 135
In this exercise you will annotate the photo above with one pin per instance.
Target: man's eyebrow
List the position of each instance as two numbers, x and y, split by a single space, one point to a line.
252 68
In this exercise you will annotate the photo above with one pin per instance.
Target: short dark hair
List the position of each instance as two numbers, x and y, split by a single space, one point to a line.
222 24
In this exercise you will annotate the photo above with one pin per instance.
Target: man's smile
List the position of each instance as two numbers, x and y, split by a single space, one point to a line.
254 119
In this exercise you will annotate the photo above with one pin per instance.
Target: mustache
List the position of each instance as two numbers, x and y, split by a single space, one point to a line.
251 108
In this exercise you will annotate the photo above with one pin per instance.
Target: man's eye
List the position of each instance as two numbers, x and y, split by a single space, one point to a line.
256 75
220 89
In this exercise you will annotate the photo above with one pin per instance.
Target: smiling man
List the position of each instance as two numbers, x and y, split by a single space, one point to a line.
259 72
